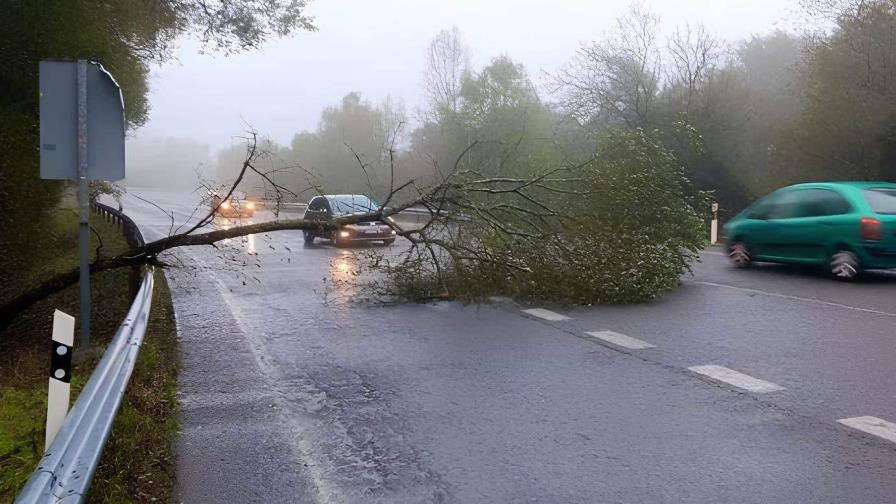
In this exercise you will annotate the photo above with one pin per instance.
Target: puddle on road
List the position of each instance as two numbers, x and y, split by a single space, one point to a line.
250 244
247 242
343 272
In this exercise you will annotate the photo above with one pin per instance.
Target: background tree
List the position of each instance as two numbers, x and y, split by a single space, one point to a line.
695 56
736 102
501 115
614 81
759 94
846 130
447 64
739 106
352 134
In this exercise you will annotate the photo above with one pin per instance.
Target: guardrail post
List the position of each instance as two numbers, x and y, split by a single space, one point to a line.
58 393
131 234
714 225
134 281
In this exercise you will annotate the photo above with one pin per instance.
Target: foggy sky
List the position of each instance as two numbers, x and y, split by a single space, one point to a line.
377 47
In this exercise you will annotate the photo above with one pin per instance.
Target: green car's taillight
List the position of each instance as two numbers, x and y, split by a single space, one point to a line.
871 229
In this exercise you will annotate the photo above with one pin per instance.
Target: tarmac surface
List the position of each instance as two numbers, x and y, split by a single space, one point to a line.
740 386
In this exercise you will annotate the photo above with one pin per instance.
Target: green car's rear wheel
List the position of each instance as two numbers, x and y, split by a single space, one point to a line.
739 254
845 265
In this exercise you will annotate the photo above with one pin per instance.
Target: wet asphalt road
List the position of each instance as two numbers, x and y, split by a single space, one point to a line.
290 394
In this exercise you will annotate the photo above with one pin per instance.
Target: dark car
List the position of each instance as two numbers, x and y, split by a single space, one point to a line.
327 207
237 205
842 226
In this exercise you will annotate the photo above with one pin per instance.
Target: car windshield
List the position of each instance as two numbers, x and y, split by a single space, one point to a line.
882 199
343 205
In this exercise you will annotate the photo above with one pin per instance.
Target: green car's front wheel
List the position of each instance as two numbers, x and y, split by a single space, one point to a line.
739 254
845 265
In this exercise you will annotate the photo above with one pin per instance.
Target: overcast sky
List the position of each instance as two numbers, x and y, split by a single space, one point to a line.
377 47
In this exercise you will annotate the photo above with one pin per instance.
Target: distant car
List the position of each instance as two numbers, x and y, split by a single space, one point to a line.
328 207
237 205
842 226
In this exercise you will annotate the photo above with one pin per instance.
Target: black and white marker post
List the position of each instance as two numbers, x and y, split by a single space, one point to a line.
60 374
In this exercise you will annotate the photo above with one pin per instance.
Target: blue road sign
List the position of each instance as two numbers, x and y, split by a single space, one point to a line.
59 122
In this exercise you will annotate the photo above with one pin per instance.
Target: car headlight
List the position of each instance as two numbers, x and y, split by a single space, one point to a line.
344 234
225 205
393 232
250 205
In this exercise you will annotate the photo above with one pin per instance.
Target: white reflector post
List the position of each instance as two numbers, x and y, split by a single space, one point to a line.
714 225
60 373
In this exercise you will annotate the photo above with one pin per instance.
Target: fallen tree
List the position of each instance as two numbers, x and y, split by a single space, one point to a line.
620 227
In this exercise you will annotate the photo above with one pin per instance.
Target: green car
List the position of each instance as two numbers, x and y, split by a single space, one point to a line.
843 226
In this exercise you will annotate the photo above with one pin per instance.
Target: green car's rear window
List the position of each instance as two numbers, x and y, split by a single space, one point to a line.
882 199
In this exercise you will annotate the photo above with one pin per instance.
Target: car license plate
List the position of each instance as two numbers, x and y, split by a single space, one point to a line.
371 231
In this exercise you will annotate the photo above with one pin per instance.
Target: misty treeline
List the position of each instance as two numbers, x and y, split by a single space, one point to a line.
775 109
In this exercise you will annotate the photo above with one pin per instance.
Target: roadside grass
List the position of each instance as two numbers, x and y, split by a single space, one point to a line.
140 449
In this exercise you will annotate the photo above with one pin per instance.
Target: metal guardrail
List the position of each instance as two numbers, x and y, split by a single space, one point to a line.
129 228
66 469
415 211
132 235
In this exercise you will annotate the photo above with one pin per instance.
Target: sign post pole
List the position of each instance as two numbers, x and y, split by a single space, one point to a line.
81 140
84 208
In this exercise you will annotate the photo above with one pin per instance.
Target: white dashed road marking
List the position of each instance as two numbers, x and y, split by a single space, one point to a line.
872 425
545 314
739 380
620 340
